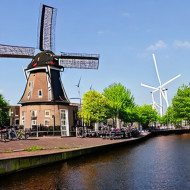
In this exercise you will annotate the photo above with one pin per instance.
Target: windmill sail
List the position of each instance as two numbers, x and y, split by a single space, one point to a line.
47 28
16 51
79 61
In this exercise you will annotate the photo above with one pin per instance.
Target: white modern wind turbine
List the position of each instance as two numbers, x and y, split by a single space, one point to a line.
154 104
161 88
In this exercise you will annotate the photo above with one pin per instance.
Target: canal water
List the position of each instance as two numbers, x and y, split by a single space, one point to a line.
161 162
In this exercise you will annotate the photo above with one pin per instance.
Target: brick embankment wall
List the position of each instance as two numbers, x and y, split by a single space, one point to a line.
69 148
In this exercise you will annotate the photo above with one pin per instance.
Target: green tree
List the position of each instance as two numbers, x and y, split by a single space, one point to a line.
120 100
146 114
171 117
4 112
181 103
130 115
94 107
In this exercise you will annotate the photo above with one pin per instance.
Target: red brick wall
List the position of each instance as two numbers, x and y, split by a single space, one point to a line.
54 110
39 83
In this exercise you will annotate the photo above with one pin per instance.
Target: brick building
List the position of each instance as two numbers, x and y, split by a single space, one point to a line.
14 113
44 101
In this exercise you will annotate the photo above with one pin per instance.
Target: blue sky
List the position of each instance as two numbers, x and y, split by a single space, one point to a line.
124 32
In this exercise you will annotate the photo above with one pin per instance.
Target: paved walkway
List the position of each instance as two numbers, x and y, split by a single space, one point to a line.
13 149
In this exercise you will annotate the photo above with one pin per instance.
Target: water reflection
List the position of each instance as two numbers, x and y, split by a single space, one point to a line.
159 163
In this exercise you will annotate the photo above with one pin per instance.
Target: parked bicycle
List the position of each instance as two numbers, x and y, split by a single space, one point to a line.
12 134
22 135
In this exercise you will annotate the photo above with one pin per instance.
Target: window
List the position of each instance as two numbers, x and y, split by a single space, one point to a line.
30 84
33 122
29 94
63 115
23 113
17 121
47 113
46 122
22 120
34 113
40 93
64 122
49 94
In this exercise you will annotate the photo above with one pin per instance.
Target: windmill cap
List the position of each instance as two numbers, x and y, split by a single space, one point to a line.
43 58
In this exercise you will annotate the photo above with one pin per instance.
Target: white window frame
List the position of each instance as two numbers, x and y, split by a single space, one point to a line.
23 120
29 94
47 111
30 84
64 119
40 90
47 121
22 117
34 122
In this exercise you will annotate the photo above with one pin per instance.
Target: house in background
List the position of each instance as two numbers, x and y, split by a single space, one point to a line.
14 113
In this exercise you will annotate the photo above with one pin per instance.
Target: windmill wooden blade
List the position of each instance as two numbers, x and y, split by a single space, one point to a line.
16 51
46 35
79 61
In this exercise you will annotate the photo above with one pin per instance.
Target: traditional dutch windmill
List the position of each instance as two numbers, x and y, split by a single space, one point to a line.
161 88
44 100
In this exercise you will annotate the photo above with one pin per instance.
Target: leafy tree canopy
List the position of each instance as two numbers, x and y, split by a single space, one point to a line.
119 99
129 115
94 107
181 103
146 114
171 117
4 112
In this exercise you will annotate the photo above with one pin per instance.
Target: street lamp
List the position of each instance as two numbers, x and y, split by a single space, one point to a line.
53 116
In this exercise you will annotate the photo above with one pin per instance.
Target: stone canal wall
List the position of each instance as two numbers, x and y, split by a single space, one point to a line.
11 165
14 164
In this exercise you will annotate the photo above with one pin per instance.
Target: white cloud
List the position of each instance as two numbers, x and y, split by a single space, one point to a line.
158 45
125 14
180 44
101 32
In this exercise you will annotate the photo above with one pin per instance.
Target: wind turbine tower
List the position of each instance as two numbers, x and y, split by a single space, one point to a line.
161 88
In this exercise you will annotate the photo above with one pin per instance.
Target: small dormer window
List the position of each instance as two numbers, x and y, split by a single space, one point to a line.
31 84
40 93
29 94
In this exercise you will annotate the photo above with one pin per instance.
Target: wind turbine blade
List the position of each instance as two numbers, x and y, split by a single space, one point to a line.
163 95
170 80
153 101
157 105
156 69
148 86
166 95
155 90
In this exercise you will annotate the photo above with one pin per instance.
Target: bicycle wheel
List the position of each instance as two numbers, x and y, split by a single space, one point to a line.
5 137
25 136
